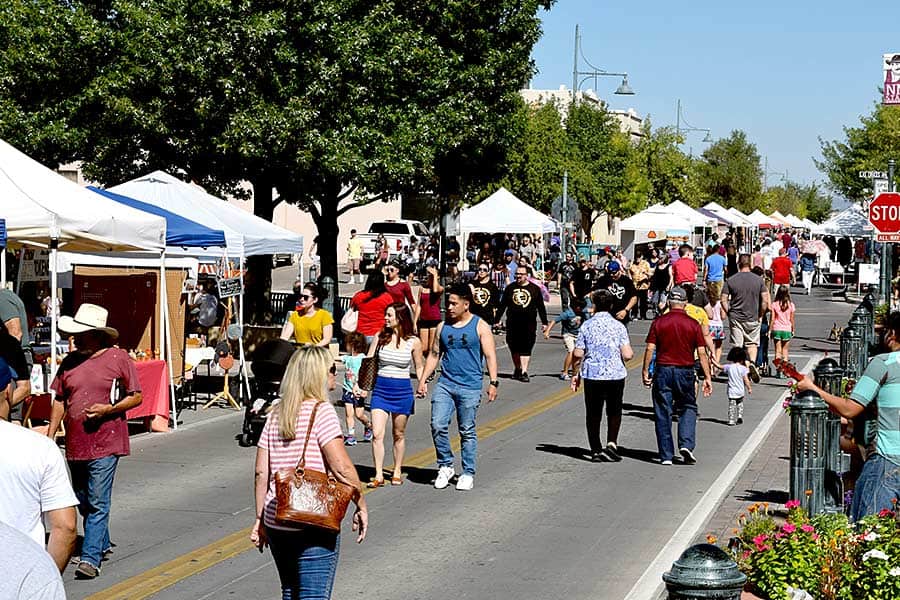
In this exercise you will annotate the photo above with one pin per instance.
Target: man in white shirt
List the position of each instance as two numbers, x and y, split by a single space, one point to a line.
28 573
34 483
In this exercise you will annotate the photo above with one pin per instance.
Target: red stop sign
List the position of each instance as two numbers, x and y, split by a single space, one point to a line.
884 212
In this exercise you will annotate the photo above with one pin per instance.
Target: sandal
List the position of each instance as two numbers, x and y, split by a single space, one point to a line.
375 483
396 481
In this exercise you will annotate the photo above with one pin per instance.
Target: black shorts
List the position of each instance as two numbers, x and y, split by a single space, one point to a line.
428 323
520 338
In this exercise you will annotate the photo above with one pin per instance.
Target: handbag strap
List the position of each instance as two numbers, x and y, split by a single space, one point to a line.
312 418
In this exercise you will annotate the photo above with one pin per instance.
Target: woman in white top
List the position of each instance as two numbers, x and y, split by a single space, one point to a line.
397 347
713 310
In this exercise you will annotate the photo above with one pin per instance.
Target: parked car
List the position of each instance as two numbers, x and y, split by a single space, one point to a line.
397 232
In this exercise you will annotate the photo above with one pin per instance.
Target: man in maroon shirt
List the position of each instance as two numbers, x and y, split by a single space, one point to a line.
675 337
94 387
782 269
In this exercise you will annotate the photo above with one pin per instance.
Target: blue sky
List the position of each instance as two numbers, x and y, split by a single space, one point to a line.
784 72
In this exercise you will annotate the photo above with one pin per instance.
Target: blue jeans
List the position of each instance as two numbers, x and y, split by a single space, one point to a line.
878 484
306 561
673 389
92 481
444 401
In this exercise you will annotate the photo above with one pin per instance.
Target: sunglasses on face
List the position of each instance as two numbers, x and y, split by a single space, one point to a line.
305 296
391 270
332 370
483 269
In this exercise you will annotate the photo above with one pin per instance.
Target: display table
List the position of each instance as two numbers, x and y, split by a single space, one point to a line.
154 408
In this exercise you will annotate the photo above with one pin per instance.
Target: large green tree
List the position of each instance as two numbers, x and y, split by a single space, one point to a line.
603 175
670 172
803 201
330 103
730 172
864 148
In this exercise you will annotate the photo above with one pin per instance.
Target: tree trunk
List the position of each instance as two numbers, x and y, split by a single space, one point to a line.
327 226
258 282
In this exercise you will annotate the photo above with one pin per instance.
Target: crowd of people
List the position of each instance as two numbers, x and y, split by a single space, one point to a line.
695 297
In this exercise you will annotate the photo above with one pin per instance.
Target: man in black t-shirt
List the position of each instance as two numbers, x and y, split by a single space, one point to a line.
565 279
621 288
522 302
485 295
584 278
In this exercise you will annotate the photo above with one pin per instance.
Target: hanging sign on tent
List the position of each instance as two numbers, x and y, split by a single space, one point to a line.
2 233
229 287
35 265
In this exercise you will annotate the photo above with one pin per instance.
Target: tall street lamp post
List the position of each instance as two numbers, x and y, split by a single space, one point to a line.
594 73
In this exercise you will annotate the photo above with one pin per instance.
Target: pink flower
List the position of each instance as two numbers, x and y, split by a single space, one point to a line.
790 504
884 512
807 528
760 539
815 536
789 528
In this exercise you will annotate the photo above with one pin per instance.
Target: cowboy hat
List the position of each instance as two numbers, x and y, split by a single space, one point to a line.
88 317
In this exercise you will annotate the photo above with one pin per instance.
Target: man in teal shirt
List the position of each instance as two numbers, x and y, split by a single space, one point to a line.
878 485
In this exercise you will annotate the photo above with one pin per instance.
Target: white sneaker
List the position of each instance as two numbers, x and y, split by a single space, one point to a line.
445 474
465 482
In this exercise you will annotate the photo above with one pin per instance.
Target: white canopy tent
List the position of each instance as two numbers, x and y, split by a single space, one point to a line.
735 216
503 212
852 221
695 217
809 224
245 233
651 225
762 220
780 218
42 208
795 221
750 222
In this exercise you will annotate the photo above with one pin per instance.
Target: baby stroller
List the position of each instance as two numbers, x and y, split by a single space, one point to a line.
269 363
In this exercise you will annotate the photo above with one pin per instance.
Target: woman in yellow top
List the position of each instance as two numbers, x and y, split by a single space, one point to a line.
309 323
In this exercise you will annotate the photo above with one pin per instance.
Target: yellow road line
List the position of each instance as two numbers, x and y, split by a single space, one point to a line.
183 567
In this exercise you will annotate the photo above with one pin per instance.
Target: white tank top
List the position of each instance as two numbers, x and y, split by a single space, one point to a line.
716 318
394 362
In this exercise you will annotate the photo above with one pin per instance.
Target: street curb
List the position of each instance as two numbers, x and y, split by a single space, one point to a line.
650 585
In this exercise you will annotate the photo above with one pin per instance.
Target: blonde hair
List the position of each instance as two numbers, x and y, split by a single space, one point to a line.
305 378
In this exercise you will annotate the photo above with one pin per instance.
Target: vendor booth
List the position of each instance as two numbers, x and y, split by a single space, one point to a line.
653 229
503 212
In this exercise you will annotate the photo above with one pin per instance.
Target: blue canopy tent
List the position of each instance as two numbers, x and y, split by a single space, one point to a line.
180 233
179 230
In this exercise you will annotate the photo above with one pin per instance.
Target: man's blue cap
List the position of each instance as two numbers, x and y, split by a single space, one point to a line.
613 266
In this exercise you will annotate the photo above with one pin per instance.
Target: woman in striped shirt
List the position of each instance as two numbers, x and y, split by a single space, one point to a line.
397 347
308 377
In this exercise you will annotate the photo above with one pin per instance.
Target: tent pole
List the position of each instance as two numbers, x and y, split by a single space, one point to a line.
243 368
165 339
54 281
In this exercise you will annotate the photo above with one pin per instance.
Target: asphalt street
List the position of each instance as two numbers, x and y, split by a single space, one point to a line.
542 522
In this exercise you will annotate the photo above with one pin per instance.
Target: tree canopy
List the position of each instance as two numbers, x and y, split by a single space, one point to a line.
730 172
864 148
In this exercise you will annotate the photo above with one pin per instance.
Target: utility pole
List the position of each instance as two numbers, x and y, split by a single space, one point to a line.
887 248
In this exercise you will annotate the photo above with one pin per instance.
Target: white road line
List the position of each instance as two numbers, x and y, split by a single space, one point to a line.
650 584
216 591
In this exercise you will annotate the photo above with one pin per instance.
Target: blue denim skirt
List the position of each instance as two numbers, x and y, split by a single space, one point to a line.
393 395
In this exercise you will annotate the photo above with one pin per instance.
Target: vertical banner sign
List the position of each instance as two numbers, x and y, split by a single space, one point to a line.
35 265
2 233
891 68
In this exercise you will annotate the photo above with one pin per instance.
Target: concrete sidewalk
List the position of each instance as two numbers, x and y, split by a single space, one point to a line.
765 479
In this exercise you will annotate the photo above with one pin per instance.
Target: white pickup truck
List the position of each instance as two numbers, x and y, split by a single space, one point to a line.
397 233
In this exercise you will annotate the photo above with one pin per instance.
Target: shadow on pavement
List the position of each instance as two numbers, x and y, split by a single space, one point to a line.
570 451
716 421
648 456
770 496
416 475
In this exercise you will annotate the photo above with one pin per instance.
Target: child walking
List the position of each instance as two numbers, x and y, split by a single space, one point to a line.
571 319
353 396
738 384
782 323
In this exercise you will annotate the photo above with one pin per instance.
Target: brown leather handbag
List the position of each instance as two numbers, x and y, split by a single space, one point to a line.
368 372
311 498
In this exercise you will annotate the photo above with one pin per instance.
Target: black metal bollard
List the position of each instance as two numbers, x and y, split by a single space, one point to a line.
330 303
704 571
828 375
809 414
853 355
866 324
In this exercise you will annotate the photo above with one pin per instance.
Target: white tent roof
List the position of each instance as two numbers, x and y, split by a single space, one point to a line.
759 218
809 224
851 221
696 218
740 217
780 218
794 221
39 204
649 220
245 233
502 212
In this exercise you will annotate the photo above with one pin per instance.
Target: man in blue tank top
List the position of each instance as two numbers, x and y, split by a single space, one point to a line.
461 344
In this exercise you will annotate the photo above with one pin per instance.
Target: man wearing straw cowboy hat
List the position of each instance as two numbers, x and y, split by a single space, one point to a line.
95 386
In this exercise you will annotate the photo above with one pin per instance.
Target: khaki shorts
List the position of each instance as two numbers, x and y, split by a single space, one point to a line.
744 334
714 289
569 341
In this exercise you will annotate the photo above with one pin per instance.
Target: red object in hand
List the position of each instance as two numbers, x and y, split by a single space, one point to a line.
788 369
